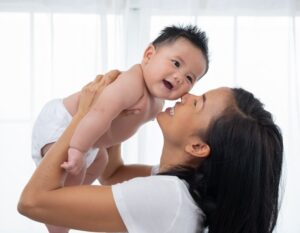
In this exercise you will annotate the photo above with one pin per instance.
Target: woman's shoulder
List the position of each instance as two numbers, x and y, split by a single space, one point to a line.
151 188
156 188
155 181
157 203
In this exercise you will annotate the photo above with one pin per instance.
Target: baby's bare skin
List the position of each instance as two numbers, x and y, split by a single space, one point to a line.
165 73
122 127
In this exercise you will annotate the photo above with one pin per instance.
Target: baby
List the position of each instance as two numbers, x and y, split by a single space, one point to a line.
170 66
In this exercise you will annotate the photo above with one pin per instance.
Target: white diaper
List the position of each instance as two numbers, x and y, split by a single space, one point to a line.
49 126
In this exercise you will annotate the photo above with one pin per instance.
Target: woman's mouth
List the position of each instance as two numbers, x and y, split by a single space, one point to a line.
168 85
171 111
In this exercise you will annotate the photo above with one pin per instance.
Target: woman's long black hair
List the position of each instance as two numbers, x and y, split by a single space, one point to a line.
237 186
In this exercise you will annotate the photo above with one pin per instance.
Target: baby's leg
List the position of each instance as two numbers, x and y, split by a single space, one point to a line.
70 180
97 167
88 177
56 229
73 180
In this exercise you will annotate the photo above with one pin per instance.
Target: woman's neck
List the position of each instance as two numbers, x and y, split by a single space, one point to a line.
171 157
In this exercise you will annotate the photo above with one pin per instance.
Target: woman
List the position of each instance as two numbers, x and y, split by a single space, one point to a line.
220 167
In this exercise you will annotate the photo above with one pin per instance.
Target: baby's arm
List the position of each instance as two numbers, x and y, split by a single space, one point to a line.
113 100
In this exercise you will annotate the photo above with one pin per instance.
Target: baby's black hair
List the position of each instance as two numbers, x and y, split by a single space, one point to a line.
190 32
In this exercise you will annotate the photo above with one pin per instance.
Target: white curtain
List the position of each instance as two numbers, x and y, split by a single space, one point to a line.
51 48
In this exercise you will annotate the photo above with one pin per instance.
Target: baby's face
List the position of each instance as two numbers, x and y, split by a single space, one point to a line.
171 70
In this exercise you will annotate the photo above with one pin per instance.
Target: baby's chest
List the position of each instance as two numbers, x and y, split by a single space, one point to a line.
124 126
149 107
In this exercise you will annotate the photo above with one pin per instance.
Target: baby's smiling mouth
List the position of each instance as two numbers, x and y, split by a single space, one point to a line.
168 84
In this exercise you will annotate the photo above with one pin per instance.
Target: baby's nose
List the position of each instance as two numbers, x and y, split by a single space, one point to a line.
178 80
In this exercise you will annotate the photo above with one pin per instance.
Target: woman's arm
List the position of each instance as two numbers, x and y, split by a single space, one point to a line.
44 199
116 171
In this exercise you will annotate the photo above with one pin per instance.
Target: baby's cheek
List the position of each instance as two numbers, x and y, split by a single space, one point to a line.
183 91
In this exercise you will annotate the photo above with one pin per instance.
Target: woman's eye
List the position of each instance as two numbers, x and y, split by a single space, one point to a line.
176 63
190 79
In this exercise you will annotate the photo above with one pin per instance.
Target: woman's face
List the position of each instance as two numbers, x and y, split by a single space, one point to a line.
192 115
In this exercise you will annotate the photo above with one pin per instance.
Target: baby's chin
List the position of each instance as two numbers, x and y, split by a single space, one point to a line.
167 97
173 96
165 94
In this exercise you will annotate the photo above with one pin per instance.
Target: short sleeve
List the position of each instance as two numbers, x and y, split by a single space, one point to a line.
154 170
148 204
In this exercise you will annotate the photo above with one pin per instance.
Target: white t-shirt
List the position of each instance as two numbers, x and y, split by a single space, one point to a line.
157 204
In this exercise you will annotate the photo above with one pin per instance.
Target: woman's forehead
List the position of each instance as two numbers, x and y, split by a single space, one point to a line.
219 92
218 99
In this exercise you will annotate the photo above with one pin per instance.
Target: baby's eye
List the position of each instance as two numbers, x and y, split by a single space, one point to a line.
176 63
190 79
195 103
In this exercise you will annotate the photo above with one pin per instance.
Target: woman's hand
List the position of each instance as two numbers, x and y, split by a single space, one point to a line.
92 90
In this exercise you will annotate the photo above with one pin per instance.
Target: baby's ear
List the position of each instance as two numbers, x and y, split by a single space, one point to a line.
149 52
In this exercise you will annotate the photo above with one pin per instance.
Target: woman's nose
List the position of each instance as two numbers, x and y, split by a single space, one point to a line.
185 98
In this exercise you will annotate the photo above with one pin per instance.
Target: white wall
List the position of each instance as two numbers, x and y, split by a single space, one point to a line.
51 48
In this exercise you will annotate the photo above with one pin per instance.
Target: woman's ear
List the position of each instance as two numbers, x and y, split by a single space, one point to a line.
149 52
198 149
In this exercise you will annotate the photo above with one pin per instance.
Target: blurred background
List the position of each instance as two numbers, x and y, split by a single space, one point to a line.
51 48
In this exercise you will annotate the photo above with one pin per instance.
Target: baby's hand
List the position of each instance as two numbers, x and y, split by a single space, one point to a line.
75 163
